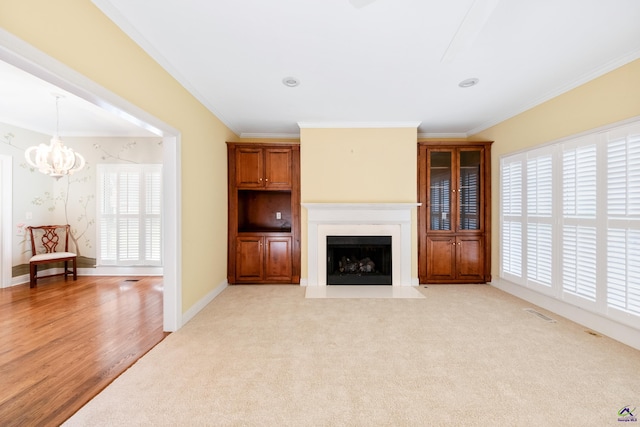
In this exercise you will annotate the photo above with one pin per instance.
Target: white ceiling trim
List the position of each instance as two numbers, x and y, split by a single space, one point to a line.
443 135
585 78
271 135
20 54
114 15
357 125
297 135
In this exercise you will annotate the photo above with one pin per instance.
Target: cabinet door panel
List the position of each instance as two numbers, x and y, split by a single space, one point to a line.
249 259
441 258
249 168
278 258
278 168
440 187
469 190
470 258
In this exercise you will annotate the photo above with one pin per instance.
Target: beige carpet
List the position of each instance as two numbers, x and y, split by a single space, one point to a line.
464 355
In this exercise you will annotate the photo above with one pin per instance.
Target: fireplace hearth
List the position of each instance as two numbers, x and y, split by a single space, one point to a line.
359 260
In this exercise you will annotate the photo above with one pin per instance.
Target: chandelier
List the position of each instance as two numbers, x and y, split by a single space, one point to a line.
54 159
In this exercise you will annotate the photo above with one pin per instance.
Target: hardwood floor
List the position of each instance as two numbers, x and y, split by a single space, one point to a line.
64 341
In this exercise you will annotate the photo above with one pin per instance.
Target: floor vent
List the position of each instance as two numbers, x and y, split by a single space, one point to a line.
595 334
132 280
540 315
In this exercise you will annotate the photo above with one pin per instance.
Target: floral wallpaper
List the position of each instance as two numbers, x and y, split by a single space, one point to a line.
39 199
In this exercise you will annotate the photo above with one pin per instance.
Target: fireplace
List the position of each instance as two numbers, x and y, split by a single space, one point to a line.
359 260
393 220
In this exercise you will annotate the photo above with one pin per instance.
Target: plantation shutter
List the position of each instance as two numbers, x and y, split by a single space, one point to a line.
153 208
539 211
128 216
107 217
130 203
579 254
511 236
623 228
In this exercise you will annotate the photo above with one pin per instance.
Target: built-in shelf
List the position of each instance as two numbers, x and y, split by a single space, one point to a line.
264 211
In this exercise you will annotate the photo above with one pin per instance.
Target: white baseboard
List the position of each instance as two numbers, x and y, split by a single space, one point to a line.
616 330
120 271
99 271
195 309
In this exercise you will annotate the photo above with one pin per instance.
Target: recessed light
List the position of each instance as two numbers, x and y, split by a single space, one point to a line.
290 81
469 82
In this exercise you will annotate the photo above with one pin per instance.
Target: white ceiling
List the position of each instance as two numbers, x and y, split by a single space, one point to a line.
385 61
364 62
30 103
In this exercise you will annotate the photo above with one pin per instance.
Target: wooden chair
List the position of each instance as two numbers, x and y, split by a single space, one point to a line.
44 241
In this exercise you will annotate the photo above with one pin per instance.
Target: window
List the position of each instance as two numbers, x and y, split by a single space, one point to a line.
570 221
129 215
623 223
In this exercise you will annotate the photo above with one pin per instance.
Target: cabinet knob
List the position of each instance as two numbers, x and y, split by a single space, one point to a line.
453 191
266 179
260 179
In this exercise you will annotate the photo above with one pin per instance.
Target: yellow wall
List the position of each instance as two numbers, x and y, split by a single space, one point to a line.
76 33
608 99
358 166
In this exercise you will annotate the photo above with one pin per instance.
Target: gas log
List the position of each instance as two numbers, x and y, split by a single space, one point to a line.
349 265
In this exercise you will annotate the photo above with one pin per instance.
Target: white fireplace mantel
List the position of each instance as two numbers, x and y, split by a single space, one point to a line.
353 219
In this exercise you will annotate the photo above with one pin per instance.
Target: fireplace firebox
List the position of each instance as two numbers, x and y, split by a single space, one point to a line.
359 260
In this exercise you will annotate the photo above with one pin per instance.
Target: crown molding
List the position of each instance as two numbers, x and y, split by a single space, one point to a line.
443 135
131 31
31 60
585 78
357 125
248 135
270 135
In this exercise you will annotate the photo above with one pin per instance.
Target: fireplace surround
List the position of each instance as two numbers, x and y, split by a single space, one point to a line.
359 219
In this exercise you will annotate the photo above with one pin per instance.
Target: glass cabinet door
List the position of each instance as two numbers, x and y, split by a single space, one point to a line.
440 177
469 190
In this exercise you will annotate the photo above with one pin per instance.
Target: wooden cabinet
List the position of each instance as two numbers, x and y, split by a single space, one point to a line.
268 168
455 259
261 258
454 220
264 213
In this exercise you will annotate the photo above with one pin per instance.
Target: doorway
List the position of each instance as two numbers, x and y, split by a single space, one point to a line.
23 56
